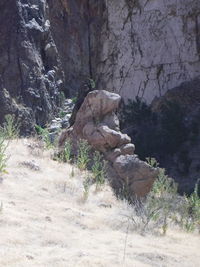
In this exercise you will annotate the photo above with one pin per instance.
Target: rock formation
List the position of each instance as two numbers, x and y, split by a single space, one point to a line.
98 124
131 47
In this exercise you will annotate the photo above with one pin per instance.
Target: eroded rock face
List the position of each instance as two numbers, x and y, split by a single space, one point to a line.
97 123
31 76
148 47
70 30
131 47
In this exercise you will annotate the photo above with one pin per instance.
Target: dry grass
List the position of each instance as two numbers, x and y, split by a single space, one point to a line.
46 222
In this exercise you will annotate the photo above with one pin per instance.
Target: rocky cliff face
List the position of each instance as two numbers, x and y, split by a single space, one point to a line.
149 46
30 70
132 47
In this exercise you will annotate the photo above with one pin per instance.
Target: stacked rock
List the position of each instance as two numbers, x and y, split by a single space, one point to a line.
97 122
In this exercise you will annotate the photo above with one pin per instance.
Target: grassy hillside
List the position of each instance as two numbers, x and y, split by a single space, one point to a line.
45 220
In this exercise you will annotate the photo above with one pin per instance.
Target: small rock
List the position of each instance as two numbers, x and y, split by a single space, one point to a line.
31 165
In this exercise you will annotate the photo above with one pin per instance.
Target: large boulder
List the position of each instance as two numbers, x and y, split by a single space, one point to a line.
139 174
97 123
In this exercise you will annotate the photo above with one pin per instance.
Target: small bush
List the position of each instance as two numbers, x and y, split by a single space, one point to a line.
98 169
67 151
74 100
10 127
92 83
83 154
66 155
44 134
190 211
3 157
62 98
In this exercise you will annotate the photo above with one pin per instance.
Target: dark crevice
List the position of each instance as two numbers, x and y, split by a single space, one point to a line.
197 36
89 39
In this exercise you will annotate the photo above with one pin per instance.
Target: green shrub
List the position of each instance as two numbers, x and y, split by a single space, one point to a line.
66 153
190 211
3 157
98 169
62 98
83 154
44 134
62 114
92 83
10 127
74 99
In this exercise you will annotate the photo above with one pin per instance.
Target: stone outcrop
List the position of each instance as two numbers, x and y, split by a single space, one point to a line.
98 124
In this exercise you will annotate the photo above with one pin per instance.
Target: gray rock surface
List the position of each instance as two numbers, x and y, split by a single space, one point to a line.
148 46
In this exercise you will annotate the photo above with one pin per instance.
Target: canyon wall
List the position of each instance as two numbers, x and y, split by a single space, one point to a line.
149 46
132 47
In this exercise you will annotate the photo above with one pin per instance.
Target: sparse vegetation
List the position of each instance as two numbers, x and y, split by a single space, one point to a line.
161 208
190 211
164 206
